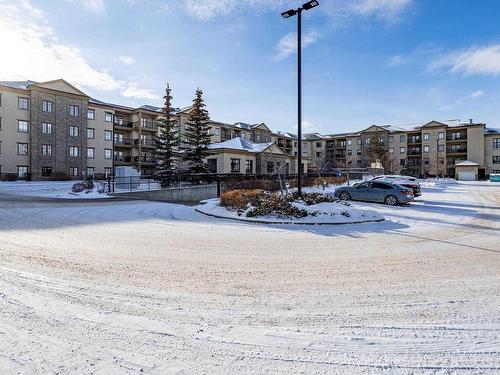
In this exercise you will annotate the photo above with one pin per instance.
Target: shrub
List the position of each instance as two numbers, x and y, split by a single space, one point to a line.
311 198
81 186
238 199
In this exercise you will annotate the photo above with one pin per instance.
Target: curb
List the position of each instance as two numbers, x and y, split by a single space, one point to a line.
284 222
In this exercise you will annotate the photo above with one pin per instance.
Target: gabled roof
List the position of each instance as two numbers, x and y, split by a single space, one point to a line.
466 163
260 126
23 85
280 133
59 85
374 128
434 123
241 144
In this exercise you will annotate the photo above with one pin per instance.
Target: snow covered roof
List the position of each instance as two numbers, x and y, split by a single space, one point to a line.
491 131
280 133
241 144
466 163
23 85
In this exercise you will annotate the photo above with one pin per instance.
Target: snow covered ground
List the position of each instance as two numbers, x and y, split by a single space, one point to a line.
47 189
124 287
324 213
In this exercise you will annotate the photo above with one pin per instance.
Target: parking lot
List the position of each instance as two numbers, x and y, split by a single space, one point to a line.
133 286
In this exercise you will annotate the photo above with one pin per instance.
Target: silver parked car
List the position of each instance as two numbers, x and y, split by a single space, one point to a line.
374 191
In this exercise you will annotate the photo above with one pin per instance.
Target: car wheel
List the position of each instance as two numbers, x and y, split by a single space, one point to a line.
391 200
345 196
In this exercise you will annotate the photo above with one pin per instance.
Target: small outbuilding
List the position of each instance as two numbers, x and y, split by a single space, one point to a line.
466 171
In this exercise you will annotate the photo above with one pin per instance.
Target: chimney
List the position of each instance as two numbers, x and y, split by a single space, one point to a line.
470 121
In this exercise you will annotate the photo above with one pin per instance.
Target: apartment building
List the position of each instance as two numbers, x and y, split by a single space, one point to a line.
53 130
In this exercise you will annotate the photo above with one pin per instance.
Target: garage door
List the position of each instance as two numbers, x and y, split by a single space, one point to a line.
467 176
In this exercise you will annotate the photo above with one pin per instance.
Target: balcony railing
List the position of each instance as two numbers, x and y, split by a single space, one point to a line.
460 150
145 125
145 142
414 140
453 137
123 159
415 152
123 142
145 159
125 124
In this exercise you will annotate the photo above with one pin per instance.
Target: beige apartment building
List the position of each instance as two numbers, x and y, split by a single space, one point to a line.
54 130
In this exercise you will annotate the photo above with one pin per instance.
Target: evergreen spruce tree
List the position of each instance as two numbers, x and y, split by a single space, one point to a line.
197 136
376 150
167 141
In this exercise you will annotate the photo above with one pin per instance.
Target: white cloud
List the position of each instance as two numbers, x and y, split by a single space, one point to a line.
473 61
36 53
476 94
386 10
288 44
396 60
95 6
132 91
127 60
206 9
308 126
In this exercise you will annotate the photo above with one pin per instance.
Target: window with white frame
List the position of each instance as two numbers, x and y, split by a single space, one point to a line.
46 106
391 150
108 135
22 126
90 171
496 143
107 153
402 150
402 138
90 152
440 135
47 128
91 114
90 133
73 171
46 150
73 131
440 148
74 151
427 136
349 142
426 148
22 171
74 110
22 149
108 117
22 103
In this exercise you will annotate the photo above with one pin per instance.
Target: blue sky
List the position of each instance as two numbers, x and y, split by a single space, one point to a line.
365 61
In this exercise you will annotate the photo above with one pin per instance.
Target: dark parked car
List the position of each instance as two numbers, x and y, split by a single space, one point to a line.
406 181
375 191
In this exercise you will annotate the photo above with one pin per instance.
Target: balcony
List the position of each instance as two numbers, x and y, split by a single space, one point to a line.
414 152
340 155
146 125
123 125
414 140
123 159
123 142
145 142
145 159
456 137
330 145
456 150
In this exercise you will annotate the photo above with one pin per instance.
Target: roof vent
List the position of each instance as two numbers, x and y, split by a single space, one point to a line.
470 121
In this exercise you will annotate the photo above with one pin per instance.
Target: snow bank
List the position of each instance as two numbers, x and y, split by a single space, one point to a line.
48 189
321 213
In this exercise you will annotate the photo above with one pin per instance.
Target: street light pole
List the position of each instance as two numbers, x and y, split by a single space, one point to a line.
299 98
290 13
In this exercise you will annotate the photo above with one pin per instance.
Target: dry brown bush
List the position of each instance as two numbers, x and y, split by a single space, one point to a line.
238 198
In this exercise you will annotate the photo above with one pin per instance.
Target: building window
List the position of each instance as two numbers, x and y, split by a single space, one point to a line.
359 141
46 171
22 126
90 171
212 165
108 117
74 110
73 171
391 150
441 135
46 128
349 152
270 167
46 150
90 152
318 154
427 136
22 149
358 152
22 103
318 145
107 153
426 161
391 139
73 151
496 143
46 106
22 171
496 159
402 150
440 148
90 133
235 165
367 141
426 148
441 160
107 171
108 135
91 114
73 131
402 162
249 166
349 142
402 138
